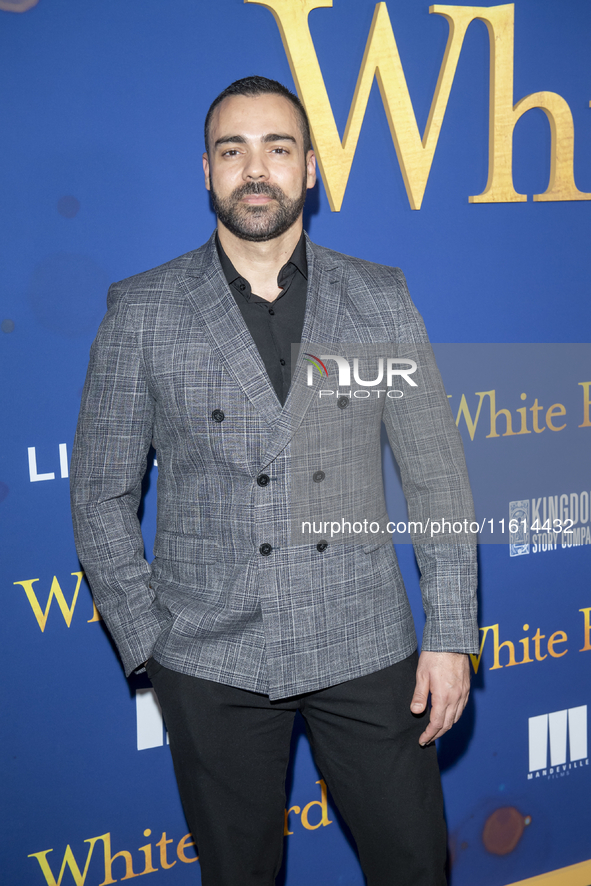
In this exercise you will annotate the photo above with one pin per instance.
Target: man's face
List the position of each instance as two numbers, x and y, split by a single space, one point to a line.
256 170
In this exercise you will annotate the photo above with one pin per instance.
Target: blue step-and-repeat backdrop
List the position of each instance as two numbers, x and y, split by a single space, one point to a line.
455 142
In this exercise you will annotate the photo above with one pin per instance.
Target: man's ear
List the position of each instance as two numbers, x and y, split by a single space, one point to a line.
311 169
206 170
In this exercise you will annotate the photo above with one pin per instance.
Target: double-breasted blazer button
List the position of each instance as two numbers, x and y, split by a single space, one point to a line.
263 479
321 546
265 549
318 476
343 402
218 415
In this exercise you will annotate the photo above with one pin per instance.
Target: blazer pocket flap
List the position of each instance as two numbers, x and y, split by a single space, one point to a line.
186 548
374 545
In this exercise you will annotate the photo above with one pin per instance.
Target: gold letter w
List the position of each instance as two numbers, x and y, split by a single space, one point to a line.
55 591
381 59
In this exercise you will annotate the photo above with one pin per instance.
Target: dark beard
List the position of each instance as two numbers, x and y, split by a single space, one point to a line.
258 223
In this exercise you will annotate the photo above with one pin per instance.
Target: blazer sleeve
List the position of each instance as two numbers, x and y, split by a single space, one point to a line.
428 449
109 456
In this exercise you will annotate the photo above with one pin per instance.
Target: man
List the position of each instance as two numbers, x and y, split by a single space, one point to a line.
239 621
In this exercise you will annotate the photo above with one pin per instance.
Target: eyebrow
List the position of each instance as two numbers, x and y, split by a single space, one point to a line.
239 139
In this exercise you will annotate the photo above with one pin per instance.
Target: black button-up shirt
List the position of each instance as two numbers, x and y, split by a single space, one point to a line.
274 326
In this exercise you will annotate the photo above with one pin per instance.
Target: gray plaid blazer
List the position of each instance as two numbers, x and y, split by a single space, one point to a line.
173 364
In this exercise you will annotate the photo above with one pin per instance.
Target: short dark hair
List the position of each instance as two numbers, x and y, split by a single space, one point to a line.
253 86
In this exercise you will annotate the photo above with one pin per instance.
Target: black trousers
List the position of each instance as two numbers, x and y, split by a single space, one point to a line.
230 749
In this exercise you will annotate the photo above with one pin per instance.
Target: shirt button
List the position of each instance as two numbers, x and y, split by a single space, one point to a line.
218 415
343 402
282 361
263 479
242 287
265 549
271 311
321 546
318 476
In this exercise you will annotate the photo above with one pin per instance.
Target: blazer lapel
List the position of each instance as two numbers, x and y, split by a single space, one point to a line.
209 294
325 308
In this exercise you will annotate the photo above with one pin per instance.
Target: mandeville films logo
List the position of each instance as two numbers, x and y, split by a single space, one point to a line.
555 733
402 368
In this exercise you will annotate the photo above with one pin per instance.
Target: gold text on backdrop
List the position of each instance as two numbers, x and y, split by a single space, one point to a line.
415 155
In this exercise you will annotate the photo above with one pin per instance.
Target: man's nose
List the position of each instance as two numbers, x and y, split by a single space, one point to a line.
255 168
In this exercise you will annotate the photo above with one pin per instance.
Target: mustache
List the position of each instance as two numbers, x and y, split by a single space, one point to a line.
258 188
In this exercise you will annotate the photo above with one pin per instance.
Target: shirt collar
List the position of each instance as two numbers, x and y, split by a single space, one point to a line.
298 259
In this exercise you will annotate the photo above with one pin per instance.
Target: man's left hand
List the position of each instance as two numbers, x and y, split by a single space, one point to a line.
446 675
